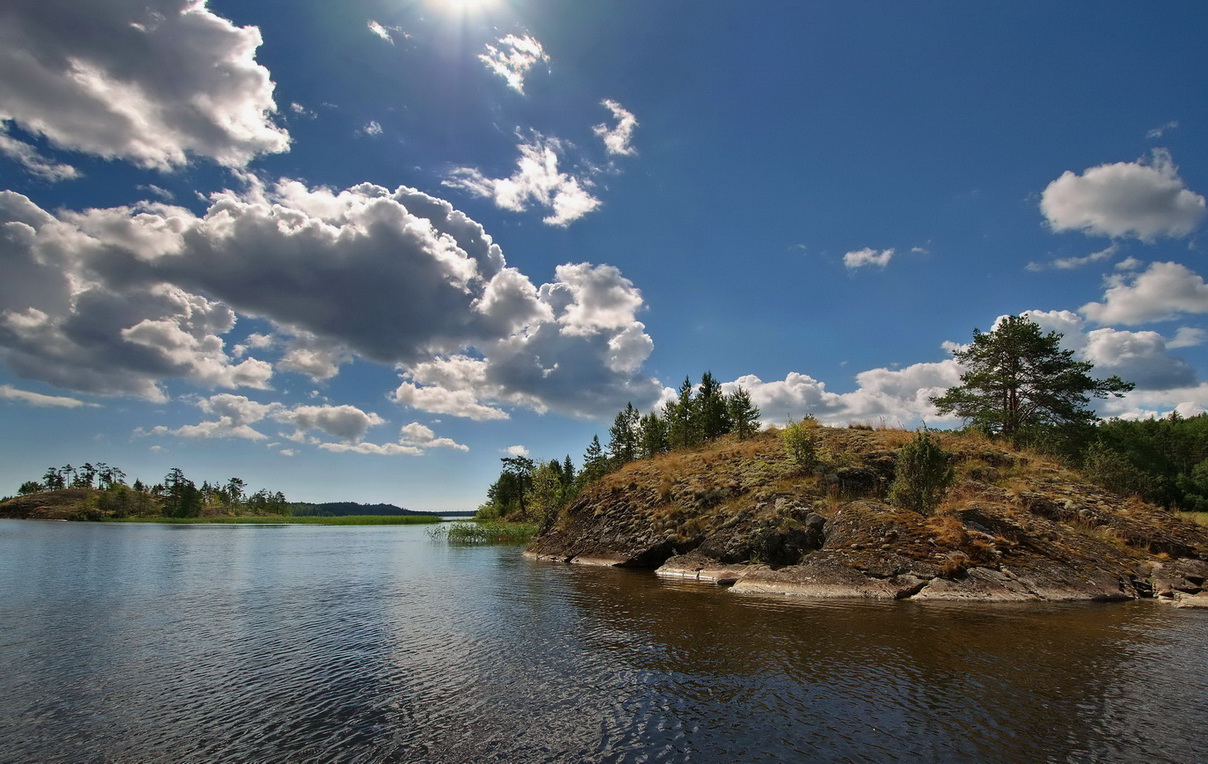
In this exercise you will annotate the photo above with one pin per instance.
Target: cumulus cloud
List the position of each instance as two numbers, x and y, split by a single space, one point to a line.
896 396
10 393
1071 263
864 257
119 300
32 160
537 180
66 322
516 451
372 129
512 57
1139 357
316 358
1187 337
1151 404
580 358
150 82
1143 199
422 436
415 439
1162 291
618 139
348 423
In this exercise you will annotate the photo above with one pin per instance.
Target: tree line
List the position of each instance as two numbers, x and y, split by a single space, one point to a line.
175 496
1020 385
529 490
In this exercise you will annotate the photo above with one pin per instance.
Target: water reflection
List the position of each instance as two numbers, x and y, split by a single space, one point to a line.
136 643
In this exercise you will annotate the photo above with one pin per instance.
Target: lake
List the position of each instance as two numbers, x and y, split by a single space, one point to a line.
137 643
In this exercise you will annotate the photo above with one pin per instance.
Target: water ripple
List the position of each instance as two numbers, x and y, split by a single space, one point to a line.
296 644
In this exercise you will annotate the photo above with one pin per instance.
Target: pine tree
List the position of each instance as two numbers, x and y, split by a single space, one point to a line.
595 464
680 416
623 437
1018 382
713 420
652 438
744 415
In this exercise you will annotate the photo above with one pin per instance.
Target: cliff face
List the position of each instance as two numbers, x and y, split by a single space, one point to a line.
1016 526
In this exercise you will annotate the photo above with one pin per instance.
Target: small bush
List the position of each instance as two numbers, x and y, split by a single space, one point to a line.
801 442
922 475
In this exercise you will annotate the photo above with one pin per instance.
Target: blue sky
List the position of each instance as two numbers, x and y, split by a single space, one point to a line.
361 250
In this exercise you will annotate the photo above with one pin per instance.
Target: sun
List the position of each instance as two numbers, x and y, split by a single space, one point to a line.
462 7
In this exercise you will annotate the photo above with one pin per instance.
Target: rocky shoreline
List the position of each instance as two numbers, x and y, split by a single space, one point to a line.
1016 528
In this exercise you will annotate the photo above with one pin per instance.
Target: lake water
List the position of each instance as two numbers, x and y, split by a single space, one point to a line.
136 643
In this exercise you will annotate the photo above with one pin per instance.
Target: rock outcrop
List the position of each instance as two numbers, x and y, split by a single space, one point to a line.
1015 527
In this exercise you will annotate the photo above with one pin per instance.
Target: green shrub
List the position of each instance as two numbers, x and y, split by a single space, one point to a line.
922 475
801 442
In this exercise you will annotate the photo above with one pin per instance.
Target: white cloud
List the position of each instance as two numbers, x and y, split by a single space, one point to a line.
65 321
385 449
372 128
894 396
618 139
34 163
580 357
516 451
1139 357
1162 291
149 82
591 299
1070 263
513 57
220 428
438 400
110 301
1187 337
1158 132
537 180
347 423
422 436
1149 404
387 33
863 257
1144 199
414 440
8 392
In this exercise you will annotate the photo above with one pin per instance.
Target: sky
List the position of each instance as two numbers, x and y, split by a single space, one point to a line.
360 251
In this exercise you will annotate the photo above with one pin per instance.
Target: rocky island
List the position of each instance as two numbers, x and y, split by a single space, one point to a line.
1014 525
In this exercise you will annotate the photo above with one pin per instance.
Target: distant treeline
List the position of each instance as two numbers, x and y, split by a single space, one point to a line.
348 508
175 496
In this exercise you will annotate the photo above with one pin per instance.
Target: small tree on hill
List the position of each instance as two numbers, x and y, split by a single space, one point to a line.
1018 381
711 413
801 442
922 475
623 437
743 414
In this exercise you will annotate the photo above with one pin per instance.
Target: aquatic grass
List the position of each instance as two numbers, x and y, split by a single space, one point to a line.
484 532
286 520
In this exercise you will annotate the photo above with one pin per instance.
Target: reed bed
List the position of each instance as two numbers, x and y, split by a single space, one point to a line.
484 532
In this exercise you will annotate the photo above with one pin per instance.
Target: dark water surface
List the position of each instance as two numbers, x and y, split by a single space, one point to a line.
133 643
